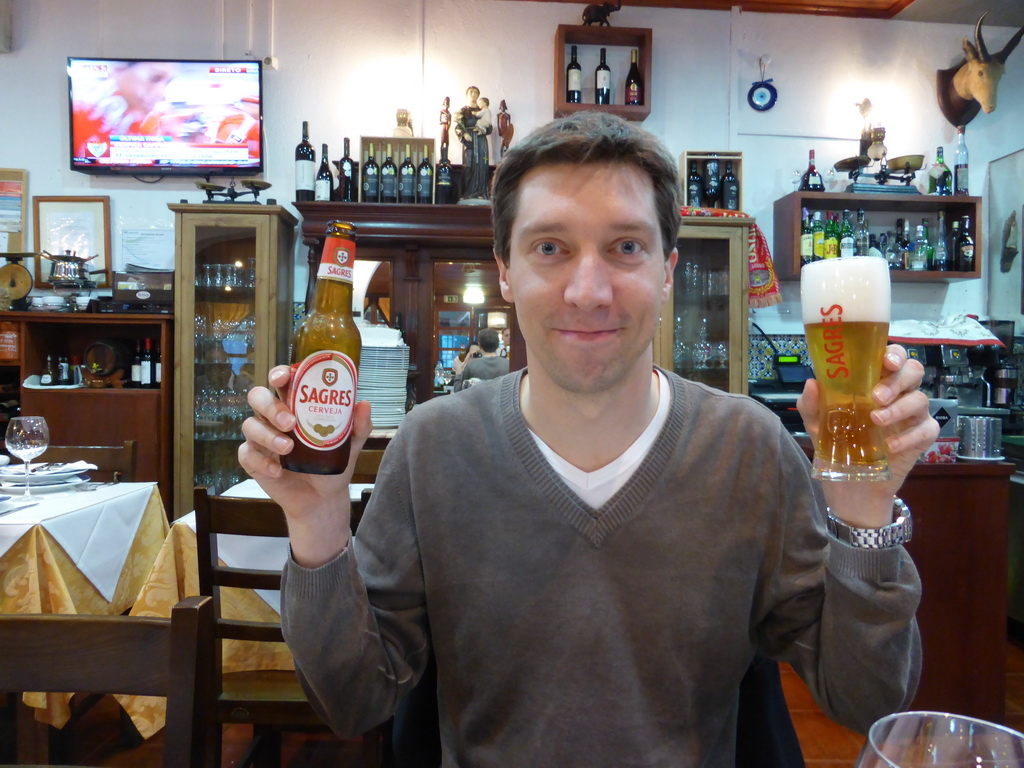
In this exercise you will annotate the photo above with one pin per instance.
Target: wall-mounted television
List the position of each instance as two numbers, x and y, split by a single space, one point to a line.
165 116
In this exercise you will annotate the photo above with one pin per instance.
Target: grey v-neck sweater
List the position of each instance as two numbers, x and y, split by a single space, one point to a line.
568 636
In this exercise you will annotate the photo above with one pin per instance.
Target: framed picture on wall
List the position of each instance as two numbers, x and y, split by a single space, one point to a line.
13 210
76 225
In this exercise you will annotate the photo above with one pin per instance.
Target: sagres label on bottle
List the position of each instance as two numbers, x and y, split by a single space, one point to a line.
322 396
337 259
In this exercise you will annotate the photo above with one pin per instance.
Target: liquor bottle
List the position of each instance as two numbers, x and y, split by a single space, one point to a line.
919 251
965 246
811 181
424 179
325 362
407 179
49 375
960 186
730 189
635 84
890 247
602 82
573 80
146 380
305 166
874 249
861 236
847 242
818 237
806 240
940 257
63 371
371 178
324 182
444 190
158 366
954 239
906 244
831 237
694 187
940 179
926 243
135 378
388 179
712 180
348 176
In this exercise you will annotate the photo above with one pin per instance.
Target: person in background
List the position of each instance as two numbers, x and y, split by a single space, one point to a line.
470 350
488 366
506 342
635 540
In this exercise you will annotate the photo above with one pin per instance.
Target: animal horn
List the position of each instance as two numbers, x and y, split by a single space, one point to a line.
980 41
1008 48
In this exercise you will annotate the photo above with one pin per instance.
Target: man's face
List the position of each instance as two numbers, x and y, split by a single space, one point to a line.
587 274
143 85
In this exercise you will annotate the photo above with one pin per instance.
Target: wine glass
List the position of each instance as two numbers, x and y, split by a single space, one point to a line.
919 739
27 437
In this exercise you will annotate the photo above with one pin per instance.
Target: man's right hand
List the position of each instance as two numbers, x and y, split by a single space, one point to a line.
317 506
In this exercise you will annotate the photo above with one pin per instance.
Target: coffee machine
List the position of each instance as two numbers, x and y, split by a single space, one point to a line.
948 374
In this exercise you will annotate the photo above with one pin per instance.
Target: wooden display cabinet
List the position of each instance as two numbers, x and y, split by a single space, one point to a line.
233 295
109 416
736 158
702 334
606 37
882 211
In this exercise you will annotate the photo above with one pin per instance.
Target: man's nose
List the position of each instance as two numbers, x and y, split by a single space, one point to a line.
589 284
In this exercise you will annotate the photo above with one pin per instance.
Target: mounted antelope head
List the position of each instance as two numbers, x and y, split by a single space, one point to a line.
971 85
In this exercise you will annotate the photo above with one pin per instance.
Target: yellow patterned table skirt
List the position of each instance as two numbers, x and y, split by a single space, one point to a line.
175 575
39 577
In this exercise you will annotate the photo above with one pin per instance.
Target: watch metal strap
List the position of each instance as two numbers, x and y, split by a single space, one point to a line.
892 535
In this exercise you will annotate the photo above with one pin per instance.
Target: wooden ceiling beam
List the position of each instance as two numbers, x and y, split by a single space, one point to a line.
862 9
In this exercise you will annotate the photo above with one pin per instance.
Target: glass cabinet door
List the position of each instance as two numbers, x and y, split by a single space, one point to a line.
703 330
233 327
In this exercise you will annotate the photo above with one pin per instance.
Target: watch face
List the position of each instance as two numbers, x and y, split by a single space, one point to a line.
762 96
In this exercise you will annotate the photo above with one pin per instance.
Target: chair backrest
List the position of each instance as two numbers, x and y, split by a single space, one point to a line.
114 462
118 654
367 464
240 517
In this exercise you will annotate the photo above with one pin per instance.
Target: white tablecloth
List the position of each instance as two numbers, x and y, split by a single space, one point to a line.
95 527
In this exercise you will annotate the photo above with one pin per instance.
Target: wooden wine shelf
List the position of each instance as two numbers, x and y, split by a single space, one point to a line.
607 37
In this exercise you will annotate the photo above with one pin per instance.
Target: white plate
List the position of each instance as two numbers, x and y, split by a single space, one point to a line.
15 474
63 485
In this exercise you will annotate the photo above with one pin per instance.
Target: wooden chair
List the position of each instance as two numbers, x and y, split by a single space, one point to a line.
272 701
114 462
118 654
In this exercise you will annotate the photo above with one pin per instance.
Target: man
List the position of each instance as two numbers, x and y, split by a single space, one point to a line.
632 540
488 366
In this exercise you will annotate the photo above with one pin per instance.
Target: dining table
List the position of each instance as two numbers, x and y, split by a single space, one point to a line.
85 548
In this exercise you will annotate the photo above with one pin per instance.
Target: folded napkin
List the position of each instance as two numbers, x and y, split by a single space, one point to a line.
956 329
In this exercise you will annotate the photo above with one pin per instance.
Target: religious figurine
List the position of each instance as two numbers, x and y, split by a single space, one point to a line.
473 126
505 127
403 127
446 120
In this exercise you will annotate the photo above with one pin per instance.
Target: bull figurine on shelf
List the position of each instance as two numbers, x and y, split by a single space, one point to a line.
598 13
970 86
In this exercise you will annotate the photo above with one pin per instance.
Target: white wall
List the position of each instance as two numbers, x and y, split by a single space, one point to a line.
346 67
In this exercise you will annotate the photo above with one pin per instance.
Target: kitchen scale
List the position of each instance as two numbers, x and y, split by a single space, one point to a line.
15 282
900 169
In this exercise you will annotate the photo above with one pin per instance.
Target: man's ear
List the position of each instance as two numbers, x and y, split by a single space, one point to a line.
503 283
670 269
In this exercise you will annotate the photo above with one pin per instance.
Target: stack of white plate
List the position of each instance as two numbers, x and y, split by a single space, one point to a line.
382 380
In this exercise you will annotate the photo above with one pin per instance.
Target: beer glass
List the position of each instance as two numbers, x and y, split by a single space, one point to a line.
930 739
846 305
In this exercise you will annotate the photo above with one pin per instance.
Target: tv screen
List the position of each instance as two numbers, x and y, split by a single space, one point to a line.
161 116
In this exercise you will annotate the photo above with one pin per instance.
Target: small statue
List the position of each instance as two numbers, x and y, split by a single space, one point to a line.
473 126
446 120
599 13
505 127
403 127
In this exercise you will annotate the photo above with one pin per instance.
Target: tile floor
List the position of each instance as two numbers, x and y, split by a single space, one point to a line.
824 744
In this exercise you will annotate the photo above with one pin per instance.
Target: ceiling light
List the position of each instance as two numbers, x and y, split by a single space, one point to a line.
473 295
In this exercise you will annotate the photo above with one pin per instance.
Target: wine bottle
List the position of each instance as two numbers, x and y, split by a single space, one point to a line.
730 189
324 181
444 190
811 181
954 242
348 173
965 246
712 180
388 179
806 239
325 361
940 180
371 178
847 243
424 179
960 186
635 84
694 187
818 237
305 166
407 179
602 82
158 366
573 80
146 378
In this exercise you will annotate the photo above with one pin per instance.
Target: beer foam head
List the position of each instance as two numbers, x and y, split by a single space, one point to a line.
859 284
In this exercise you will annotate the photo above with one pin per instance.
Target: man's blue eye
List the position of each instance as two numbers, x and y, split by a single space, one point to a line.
548 249
630 247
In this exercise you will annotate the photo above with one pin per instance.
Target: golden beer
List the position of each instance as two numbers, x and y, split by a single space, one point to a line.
846 306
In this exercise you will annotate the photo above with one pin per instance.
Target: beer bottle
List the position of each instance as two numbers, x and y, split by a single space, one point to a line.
325 363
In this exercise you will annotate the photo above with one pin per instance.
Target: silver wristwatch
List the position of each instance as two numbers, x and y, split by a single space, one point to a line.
892 535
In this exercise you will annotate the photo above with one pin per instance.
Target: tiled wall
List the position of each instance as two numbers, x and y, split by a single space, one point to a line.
761 353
